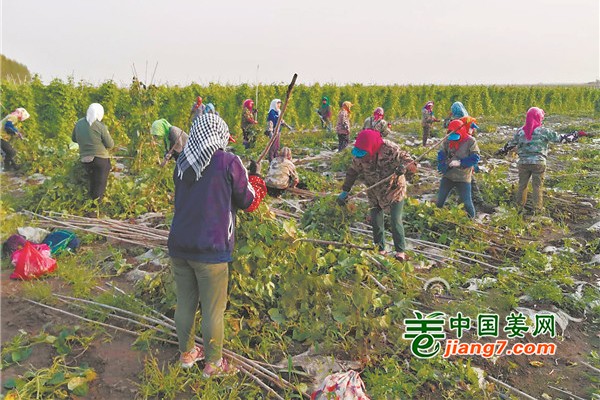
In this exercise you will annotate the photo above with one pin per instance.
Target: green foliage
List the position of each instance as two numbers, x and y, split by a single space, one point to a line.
13 70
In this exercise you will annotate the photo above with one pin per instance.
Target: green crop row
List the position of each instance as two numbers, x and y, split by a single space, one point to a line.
129 112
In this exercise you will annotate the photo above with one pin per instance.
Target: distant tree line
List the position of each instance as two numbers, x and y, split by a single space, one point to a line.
13 70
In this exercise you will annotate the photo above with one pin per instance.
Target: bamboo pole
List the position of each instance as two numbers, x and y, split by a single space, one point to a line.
276 130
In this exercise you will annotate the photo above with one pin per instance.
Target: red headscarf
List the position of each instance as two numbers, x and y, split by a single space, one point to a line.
378 113
198 101
460 127
369 141
534 119
249 104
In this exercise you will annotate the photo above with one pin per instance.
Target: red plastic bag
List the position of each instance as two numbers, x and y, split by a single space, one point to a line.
260 191
32 261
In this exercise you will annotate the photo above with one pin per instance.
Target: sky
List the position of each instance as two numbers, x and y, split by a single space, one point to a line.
351 41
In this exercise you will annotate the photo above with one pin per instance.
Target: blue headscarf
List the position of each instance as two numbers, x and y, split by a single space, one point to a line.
458 110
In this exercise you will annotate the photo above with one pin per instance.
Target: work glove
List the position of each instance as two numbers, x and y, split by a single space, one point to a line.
342 199
400 170
454 164
253 168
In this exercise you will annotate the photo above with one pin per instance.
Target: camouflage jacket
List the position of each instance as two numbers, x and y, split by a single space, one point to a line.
371 171
247 119
282 174
343 123
381 126
428 118
534 151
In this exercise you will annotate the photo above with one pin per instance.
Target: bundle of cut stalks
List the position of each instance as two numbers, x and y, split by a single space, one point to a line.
264 374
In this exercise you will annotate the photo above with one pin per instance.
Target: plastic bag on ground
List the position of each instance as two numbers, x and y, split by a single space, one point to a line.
341 386
34 235
32 261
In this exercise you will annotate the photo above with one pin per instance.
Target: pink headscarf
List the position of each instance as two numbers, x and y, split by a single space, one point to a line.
249 104
378 113
428 106
534 119
370 141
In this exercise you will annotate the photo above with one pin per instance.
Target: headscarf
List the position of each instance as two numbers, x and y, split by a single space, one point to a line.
160 127
346 105
378 113
210 109
326 104
370 141
428 106
249 104
461 133
95 112
273 105
208 134
534 119
198 101
458 110
285 153
20 113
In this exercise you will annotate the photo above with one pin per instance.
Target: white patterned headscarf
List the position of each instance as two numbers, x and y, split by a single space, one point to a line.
95 112
208 134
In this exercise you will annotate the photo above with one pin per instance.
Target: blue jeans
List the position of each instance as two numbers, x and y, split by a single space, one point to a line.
464 193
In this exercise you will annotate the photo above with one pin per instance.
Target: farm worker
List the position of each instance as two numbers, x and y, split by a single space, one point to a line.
342 128
210 109
531 142
374 159
459 112
428 118
248 123
94 142
210 186
197 109
457 157
9 129
324 112
174 138
562 138
257 182
377 123
282 173
272 118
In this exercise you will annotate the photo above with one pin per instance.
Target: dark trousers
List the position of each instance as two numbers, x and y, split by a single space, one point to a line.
9 152
98 171
395 224
464 193
274 150
342 142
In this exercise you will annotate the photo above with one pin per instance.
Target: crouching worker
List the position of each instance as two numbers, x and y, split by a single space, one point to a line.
210 186
456 159
282 173
173 138
374 159
8 126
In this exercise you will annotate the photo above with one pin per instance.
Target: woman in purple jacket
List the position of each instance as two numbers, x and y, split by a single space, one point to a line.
210 186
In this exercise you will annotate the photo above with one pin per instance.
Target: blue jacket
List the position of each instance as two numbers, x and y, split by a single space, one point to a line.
204 223
273 116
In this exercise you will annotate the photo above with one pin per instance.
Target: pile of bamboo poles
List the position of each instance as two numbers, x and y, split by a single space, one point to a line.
128 231
261 373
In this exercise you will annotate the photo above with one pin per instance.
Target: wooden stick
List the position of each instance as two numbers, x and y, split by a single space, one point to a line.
566 392
512 388
276 130
591 367
329 242
95 322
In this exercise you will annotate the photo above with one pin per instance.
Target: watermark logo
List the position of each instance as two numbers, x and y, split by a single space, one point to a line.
427 331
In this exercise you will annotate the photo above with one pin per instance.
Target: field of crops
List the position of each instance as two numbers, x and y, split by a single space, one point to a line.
290 294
